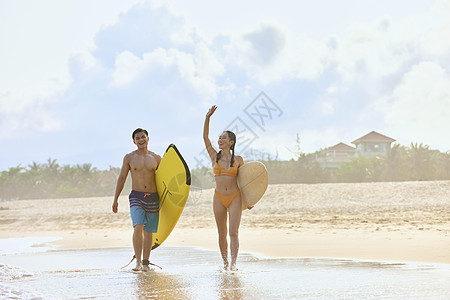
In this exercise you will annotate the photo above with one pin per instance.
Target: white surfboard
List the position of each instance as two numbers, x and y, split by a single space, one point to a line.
253 180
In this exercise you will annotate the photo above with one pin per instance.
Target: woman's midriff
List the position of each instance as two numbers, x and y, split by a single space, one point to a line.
226 185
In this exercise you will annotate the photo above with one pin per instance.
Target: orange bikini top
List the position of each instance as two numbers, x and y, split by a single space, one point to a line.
218 170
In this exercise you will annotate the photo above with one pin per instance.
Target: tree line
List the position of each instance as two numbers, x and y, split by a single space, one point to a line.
402 163
51 180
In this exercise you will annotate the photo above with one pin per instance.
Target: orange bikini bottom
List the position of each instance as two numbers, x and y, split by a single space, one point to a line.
226 199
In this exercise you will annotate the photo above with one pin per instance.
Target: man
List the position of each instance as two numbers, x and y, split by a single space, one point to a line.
144 200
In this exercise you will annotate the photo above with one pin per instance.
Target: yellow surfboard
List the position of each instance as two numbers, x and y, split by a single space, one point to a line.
253 180
173 182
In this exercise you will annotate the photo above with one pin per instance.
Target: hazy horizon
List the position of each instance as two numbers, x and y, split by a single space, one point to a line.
199 161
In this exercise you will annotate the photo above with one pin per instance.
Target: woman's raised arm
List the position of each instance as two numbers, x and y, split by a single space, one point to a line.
212 153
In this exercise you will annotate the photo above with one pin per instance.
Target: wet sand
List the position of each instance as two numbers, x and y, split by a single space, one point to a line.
193 273
396 222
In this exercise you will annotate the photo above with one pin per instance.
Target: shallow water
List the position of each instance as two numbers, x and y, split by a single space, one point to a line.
192 273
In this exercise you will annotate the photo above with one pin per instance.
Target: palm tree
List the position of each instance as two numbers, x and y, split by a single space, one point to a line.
51 166
10 183
33 180
445 165
395 162
14 171
421 163
35 166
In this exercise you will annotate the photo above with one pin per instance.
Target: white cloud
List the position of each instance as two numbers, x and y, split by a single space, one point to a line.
315 139
419 107
198 70
370 53
127 67
21 112
386 47
265 44
39 39
431 30
271 53
328 107
209 65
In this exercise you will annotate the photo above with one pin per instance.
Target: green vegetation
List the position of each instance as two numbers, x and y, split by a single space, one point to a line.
416 162
403 163
50 180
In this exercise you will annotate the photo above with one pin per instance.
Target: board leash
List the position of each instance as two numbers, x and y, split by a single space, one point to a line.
134 256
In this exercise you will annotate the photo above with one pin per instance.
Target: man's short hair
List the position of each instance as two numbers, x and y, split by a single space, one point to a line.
139 130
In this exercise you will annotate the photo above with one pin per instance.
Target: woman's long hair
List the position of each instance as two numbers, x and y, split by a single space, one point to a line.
232 137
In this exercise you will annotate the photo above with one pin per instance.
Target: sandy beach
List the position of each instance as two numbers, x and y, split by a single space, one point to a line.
396 222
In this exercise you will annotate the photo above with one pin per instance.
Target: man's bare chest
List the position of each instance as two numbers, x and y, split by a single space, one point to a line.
143 163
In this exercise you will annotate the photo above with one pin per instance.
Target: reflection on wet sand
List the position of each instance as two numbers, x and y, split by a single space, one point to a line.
229 286
160 285
154 284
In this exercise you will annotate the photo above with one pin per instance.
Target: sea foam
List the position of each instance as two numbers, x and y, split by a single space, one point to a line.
8 274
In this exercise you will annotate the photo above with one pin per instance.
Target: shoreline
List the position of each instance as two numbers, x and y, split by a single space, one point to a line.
394 247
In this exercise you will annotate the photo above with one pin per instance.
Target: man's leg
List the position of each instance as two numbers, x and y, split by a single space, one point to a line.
148 242
137 245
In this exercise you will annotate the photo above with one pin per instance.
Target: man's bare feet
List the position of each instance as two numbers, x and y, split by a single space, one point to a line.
138 266
145 267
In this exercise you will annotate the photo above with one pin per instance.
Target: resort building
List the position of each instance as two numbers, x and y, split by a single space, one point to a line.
373 144
332 157
369 145
109 177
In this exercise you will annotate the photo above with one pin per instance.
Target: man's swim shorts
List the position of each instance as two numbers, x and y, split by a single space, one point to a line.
144 209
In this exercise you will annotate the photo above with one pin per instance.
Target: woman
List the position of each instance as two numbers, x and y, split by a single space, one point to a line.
227 196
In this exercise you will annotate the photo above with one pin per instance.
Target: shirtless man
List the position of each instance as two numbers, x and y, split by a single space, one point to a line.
144 200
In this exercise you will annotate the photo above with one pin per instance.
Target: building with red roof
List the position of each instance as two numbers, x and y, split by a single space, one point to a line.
109 177
373 144
332 157
369 145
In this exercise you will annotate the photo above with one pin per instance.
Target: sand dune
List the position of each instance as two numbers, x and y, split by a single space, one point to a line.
401 221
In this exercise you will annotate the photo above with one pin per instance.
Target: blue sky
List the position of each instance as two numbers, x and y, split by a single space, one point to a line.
77 77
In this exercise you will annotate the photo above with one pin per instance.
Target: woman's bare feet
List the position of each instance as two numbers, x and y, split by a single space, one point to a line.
225 265
233 268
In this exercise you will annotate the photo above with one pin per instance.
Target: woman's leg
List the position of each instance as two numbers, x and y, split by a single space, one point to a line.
220 214
235 221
